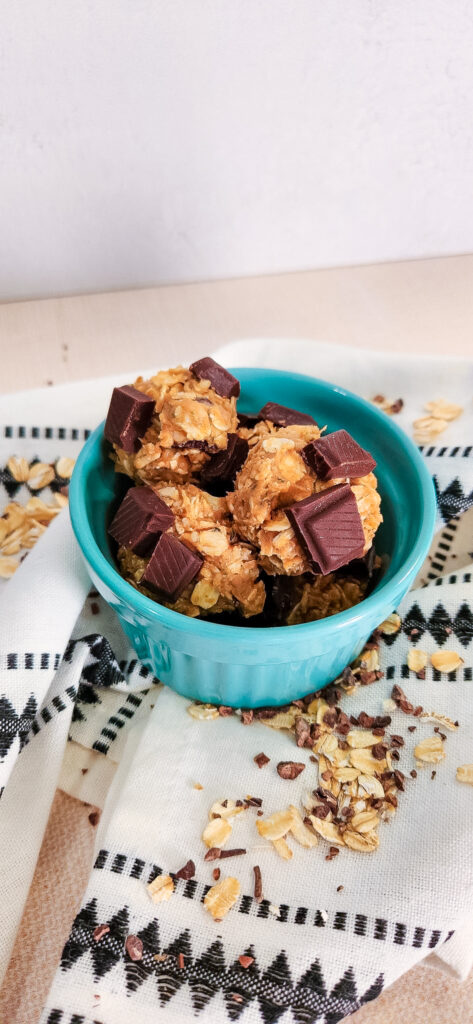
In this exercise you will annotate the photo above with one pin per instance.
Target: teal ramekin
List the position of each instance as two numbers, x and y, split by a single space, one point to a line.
250 667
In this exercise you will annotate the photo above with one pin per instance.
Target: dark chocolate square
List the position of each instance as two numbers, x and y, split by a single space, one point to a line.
128 418
140 520
329 528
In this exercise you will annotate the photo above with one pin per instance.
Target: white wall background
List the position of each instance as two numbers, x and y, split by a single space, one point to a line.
147 141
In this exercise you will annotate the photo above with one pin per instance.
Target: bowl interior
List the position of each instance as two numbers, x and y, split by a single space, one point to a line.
404 484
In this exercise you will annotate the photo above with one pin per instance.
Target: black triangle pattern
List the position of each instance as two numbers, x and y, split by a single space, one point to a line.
452 501
308 999
9 483
439 624
13 724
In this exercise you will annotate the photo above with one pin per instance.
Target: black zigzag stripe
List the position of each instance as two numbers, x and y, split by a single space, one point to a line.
441 626
57 1016
55 706
452 501
117 721
377 928
214 971
14 724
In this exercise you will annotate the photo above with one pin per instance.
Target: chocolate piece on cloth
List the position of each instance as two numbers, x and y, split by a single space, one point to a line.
223 382
171 567
337 455
128 418
226 465
140 520
329 527
282 416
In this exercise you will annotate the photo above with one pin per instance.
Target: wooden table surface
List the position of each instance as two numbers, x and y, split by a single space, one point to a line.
423 306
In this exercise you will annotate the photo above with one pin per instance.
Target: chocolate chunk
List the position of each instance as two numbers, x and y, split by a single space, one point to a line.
290 769
223 382
188 871
247 419
258 890
140 520
228 463
282 416
337 455
171 567
328 525
128 418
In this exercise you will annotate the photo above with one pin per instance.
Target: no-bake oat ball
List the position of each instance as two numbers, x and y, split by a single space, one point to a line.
265 516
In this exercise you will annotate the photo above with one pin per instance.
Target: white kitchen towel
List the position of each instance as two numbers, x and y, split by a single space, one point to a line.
318 952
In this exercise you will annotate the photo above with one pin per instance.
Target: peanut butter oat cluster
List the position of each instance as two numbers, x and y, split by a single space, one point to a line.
225 504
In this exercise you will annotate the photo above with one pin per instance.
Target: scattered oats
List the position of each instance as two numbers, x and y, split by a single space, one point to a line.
388 704
346 774
391 625
7 567
301 833
362 843
221 897
324 915
430 750
40 475
19 468
64 467
282 848
274 910
370 660
203 712
198 785
446 661
216 832
327 744
366 763
443 410
365 821
358 738
224 809
161 888
390 406
416 659
327 830
284 720
435 716
370 786
465 773
277 825
61 499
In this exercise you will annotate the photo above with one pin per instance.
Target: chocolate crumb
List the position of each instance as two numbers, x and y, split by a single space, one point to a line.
100 931
333 852
231 853
413 774
398 779
395 755
216 874
213 854
397 741
313 759
134 947
84 771
225 711
261 760
259 814
411 728
180 961
94 818
339 888
246 961
433 774
290 769
379 751
258 890
247 717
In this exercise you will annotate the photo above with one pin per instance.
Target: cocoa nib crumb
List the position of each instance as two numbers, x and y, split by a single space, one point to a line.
413 774
411 728
84 771
303 732
188 871
261 760
366 721
94 818
247 717
246 961
396 741
215 853
180 961
134 947
225 711
290 769
339 888
100 931
421 673
232 853
253 801
379 751
378 732
333 852
321 811
433 774
398 779
216 874
395 755
258 890
94 608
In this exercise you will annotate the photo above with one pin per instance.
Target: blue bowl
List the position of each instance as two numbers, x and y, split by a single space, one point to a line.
250 667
